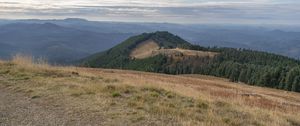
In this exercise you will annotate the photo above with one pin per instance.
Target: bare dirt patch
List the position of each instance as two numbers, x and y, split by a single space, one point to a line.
184 52
150 48
18 109
144 49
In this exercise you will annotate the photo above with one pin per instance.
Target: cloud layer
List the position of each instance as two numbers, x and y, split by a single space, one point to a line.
175 11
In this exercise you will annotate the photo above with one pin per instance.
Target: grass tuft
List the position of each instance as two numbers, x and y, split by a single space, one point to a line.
30 62
111 80
293 122
116 94
35 97
202 105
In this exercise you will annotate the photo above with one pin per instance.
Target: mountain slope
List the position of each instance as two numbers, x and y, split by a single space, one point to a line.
39 94
165 53
6 51
116 55
56 43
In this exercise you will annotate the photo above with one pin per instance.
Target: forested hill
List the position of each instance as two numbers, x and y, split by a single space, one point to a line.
119 55
255 68
239 65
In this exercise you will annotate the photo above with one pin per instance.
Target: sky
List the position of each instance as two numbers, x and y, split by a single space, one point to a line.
168 11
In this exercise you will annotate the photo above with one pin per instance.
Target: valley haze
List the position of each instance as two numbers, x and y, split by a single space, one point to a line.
68 40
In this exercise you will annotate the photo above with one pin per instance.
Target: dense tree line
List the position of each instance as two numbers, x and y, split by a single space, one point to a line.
240 65
258 68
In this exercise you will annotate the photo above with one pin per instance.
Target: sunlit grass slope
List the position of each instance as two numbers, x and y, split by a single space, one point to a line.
120 97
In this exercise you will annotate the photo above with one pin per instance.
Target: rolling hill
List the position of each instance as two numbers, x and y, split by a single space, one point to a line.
164 52
115 56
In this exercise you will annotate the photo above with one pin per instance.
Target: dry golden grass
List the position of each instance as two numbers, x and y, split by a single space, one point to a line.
29 62
184 52
144 49
150 48
122 97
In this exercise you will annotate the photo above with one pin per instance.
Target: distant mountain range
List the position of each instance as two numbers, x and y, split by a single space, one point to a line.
164 52
58 44
63 41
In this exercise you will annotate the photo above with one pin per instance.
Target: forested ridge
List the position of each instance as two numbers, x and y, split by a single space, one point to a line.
255 68
238 65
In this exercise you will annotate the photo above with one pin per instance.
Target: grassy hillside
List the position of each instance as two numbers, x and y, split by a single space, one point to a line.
86 96
118 56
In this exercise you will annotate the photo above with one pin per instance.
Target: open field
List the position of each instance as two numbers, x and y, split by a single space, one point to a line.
39 94
150 48
184 52
144 49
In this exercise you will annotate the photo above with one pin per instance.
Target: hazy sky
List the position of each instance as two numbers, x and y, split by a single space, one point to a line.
175 11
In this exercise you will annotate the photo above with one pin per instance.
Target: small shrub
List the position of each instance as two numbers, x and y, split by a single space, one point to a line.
116 94
221 104
26 78
35 97
111 87
227 120
170 95
132 104
4 72
90 93
127 91
154 94
171 105
138 97
113 104
293 122
152 89
29 91
140 107
111 80
76 94
75 73
138 119
202 105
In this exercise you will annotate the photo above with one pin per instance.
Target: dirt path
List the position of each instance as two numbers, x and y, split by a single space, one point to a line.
18 110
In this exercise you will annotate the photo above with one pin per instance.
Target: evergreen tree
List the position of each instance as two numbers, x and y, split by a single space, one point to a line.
296 84
243 76
290 78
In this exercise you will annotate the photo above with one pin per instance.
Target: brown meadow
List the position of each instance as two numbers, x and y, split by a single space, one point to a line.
86 96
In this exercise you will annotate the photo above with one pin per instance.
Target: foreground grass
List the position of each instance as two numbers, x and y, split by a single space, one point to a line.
119 102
